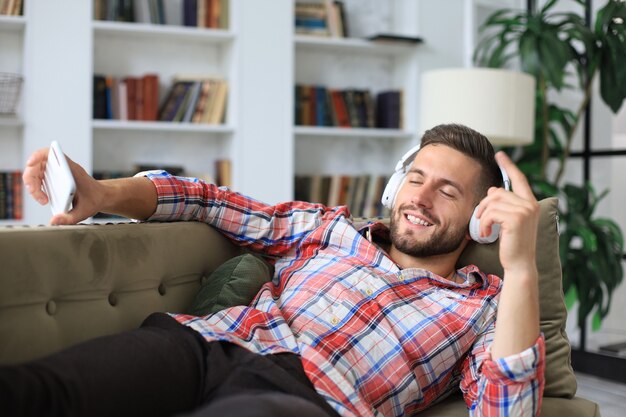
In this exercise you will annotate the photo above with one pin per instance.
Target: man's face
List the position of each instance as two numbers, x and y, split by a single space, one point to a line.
431 212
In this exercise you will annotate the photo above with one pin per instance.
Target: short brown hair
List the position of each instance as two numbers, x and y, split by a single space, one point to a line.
470 143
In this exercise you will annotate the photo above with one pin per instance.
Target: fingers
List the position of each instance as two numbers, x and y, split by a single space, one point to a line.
34 173
519 182
505 208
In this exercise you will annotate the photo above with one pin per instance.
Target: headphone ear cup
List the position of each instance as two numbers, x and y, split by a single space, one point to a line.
474 230
391 189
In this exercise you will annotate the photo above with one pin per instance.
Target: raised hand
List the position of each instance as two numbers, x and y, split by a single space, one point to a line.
88 196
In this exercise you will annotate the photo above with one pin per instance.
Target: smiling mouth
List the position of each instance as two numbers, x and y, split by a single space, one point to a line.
417 221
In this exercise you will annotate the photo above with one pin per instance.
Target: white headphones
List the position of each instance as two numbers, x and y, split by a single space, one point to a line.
396 180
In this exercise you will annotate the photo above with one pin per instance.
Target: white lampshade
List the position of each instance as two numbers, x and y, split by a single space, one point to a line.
498 103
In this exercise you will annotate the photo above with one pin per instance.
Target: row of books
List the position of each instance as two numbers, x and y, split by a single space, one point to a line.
11 195
321 106
196 101
327 18
361 193
200 100
212 14
11 7
126 98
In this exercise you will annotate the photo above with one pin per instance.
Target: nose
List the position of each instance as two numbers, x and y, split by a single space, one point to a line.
422 196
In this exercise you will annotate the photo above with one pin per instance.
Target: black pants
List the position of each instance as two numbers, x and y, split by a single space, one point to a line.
161 369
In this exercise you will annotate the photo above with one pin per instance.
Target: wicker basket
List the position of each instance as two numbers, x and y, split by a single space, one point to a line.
10 87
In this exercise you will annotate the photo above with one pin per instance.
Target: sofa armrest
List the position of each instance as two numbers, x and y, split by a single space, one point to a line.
63 285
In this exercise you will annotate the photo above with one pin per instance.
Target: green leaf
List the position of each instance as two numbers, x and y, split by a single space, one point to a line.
547 6
571 297
596 322
590 243
612 229
529 54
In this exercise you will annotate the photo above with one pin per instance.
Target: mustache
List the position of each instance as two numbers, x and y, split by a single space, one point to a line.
423 212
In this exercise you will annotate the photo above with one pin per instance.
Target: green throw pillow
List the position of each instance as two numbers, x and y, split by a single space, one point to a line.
234 283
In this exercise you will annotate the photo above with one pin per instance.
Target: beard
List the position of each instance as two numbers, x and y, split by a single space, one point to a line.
443 241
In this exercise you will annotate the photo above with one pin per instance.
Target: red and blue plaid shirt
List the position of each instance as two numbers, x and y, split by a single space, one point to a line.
374 339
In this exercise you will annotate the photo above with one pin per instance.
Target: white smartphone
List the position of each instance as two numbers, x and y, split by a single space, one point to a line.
58 182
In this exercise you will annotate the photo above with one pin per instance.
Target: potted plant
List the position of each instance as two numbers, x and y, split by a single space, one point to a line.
562 52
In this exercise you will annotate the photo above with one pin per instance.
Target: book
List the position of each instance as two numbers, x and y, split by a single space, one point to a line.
353 114
343 19
190 12
321 109
202 103
150 84
18 196
339 104
142 11
193 101
131 101
311 19
173 12
3 197
394 38
8 187
139 99
122 96
174 101
388 109
213 15
218 110
224 17
201 13
99 97
223 172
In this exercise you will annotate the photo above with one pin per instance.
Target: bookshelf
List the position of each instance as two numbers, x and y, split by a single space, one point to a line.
344 63
12 34
59 46
129 49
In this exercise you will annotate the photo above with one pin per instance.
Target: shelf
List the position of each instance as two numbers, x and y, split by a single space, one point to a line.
10 121
12 23
160 126
10 222
163 32
352 45
352 132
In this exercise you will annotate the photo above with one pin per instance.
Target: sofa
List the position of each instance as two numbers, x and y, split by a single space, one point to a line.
65 284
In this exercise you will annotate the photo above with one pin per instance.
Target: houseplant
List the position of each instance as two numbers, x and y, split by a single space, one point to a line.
562 52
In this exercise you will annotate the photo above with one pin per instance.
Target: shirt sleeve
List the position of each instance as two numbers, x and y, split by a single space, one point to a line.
509 386
269 229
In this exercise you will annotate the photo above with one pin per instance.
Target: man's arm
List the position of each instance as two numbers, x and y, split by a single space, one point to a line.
517 212
503 374
130 197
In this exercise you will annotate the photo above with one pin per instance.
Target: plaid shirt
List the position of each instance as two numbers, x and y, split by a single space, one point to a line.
374 339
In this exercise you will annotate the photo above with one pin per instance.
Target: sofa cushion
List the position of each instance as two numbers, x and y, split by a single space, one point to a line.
235 282
560 379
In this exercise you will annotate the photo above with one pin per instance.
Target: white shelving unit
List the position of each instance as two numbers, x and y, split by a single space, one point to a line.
12 30
59 47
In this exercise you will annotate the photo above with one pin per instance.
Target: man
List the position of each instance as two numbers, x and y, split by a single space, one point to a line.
349 325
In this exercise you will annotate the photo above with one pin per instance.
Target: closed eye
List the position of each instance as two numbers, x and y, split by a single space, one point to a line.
446 194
